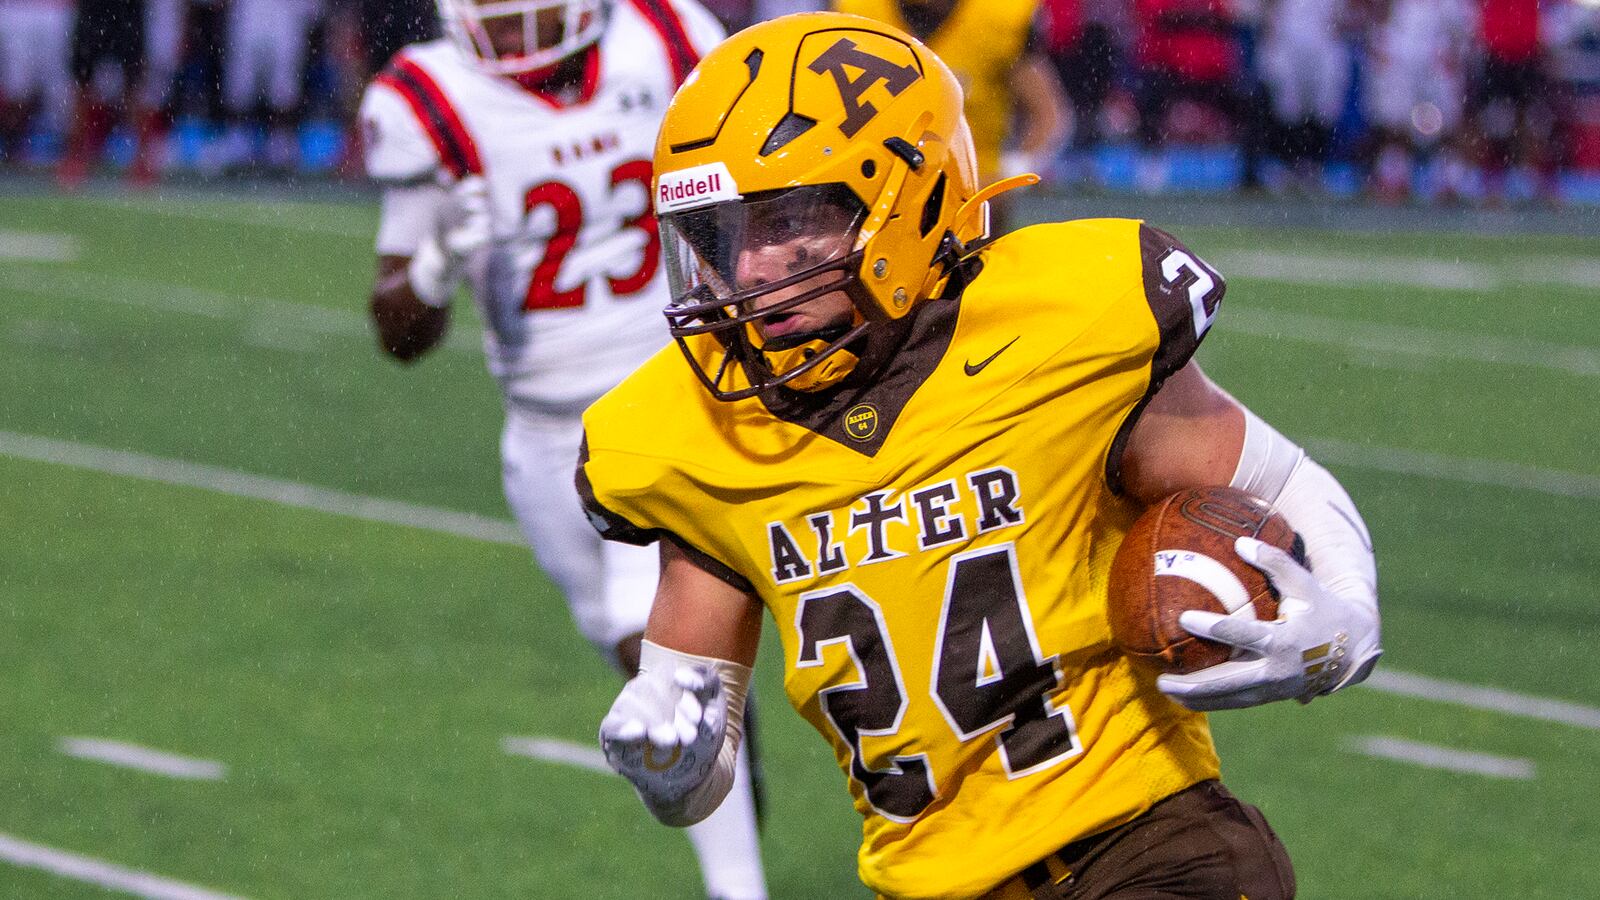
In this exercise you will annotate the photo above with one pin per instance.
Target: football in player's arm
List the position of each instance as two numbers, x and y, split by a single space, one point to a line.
920 449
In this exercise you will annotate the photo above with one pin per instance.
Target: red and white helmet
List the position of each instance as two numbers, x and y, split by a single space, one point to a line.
509 37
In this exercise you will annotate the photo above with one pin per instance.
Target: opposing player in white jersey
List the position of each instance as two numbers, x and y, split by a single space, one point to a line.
515 155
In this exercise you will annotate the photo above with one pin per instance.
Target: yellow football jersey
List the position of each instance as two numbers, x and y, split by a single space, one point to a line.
934 548
981 41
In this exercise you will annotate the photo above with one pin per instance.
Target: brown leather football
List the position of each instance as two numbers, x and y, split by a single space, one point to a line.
1179 555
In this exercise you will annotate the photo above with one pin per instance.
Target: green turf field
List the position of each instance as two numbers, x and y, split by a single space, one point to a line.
358 678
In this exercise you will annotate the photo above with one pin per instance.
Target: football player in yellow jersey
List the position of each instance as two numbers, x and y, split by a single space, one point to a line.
919 449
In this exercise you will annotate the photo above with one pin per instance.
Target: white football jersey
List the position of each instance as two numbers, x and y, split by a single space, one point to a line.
571 287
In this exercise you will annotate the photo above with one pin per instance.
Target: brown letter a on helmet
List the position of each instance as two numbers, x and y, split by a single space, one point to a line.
873 70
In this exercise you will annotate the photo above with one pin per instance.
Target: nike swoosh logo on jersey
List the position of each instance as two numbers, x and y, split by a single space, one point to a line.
975 369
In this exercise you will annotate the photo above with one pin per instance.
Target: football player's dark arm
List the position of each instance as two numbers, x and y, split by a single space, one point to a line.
407 328
1190 435
697 612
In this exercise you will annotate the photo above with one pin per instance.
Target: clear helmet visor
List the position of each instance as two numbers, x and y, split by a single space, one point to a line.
755 252
509 37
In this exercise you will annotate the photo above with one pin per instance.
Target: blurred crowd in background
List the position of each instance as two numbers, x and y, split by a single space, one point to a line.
1439 100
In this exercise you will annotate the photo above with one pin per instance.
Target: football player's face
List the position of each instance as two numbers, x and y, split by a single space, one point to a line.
777 248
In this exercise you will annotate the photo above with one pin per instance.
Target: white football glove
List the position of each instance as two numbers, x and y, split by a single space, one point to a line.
1320 642
463 229
664 732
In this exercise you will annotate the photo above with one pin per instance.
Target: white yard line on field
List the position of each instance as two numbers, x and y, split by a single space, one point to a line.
102 874
309 218
145 759
281 324
1296 268
341 503
564 752
1450 759
1411 340
1408 271
241 484
34 246
1582 273
1490 699
260 316
54 334
1456 468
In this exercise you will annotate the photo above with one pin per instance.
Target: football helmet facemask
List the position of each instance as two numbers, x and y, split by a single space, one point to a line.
815 181
512 37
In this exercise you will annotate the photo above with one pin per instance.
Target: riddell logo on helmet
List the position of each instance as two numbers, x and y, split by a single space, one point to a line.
696 186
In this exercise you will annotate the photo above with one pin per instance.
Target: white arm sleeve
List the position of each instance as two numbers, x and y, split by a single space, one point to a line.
408 216
1338 546
702 800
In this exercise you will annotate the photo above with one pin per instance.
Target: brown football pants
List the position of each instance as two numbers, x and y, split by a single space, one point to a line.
1201 843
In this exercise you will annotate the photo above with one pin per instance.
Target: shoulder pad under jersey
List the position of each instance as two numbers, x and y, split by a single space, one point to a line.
395 146
1184 293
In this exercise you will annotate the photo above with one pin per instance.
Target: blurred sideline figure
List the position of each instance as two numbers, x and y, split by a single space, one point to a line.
1416 92
1081 37
1511 97
1570 32
267 45
515 156
166 25
35 42
997 54
1306 66
108 63
992 48
1188 50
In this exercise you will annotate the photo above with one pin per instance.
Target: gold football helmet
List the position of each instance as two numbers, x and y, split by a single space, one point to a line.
808 159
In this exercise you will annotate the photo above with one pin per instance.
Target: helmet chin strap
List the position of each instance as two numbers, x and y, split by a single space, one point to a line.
828 373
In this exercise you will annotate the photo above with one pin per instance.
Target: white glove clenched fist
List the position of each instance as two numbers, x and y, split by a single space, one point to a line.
664 731
1320 642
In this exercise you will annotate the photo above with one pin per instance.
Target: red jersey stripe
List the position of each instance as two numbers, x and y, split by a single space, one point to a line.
438 117
680 52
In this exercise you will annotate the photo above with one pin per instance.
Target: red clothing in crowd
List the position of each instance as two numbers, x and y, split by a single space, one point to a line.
1189 38
1062 24
1511 29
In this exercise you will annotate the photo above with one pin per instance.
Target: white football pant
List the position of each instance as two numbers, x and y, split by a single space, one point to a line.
609 586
